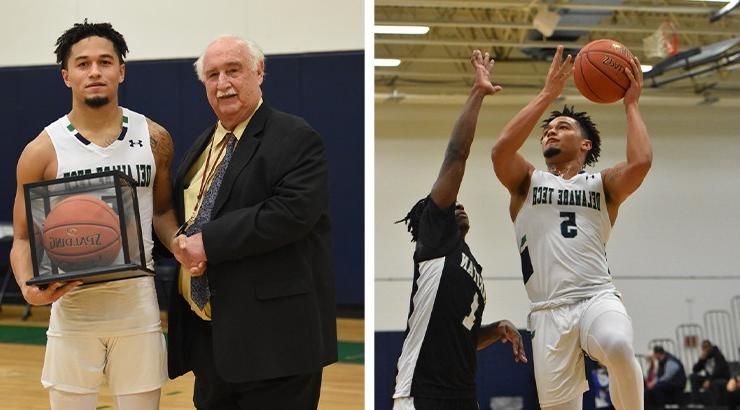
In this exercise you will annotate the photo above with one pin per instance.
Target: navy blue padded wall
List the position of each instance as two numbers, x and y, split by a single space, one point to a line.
327 89
498 374
324 88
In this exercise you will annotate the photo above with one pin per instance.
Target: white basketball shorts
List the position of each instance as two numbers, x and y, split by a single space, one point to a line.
129 364
558 343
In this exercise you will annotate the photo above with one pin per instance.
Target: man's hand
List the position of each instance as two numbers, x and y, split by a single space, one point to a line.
39 297
558 74
482 64
189 251
732 384
509 332
634 72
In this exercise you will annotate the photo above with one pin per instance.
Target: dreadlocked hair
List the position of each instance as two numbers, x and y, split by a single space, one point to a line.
412 218
81 31
587 126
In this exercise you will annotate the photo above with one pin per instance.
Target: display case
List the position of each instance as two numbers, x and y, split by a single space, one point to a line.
85 228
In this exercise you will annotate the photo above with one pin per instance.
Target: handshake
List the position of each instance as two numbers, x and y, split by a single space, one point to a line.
189 251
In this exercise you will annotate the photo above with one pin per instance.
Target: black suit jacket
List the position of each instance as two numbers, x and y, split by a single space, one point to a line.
269 256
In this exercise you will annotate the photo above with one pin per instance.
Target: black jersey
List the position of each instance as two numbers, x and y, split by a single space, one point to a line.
438 356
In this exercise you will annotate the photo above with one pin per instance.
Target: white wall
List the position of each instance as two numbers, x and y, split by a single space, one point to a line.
161 29
683 222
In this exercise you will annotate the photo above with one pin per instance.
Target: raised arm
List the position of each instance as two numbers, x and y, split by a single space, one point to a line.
511 168
624 178
33 166
447 185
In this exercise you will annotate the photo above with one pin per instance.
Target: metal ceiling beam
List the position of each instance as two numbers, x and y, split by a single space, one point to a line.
679 100
458 60
455 76
447 4
484 45
607 28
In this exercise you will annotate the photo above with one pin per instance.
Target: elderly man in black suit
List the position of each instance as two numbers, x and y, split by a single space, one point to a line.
255 313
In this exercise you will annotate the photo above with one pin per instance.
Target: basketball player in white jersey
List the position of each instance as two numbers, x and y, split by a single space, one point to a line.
111 332
437 366
562 218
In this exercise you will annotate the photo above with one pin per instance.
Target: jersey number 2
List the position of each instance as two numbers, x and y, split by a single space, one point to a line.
469 320
568 226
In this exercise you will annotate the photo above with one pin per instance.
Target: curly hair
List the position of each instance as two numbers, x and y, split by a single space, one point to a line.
412 218
587 126
81 31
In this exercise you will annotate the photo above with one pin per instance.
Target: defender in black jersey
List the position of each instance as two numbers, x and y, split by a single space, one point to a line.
436 369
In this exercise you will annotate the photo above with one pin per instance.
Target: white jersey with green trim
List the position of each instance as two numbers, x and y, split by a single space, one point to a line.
562 230
122 307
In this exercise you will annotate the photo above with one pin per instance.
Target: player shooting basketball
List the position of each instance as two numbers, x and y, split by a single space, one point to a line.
107 332
436 369
562 219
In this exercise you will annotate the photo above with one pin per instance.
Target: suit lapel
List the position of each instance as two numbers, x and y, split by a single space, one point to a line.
243 153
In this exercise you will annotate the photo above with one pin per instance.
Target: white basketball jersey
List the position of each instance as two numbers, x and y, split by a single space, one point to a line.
126 306
562 230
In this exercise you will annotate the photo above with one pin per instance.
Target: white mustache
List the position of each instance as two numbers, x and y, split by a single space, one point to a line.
227 93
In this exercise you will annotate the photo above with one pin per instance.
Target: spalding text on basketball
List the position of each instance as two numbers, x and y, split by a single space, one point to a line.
611 63
88 240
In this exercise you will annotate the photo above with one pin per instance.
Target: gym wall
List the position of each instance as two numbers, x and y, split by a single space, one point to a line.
673 252
317 74
166 29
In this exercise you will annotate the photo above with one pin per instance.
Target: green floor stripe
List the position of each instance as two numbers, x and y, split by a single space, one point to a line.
26 335
349 352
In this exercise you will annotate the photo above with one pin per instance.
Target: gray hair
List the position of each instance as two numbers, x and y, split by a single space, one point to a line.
256 56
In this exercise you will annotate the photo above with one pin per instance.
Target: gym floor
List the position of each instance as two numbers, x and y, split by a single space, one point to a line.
22 355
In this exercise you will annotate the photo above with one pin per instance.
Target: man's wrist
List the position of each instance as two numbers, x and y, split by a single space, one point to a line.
548 95
25 291
632 105
478 91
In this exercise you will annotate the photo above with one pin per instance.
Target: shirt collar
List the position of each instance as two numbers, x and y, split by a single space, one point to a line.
221 132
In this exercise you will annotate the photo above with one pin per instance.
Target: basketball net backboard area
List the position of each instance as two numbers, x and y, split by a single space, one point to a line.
663 42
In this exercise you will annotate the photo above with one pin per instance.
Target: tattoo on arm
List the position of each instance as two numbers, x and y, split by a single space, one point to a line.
161 143
162 147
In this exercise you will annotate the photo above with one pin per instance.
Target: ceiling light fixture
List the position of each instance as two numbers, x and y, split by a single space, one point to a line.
387 62
416 30
545 21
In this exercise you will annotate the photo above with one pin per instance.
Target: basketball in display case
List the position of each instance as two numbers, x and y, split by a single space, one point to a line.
85 228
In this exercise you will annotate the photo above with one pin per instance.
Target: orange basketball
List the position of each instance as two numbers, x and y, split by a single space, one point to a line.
82 232
599 71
